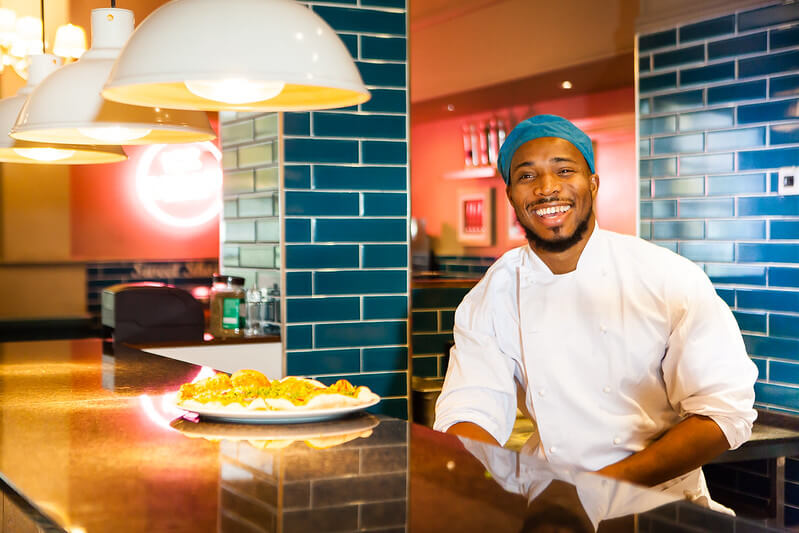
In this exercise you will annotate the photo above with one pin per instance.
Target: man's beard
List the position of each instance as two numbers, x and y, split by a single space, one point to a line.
558 244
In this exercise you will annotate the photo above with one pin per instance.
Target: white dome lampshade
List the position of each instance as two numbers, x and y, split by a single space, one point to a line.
255 55
67 107
15 151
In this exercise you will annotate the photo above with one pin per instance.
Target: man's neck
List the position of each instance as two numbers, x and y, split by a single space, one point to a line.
565 261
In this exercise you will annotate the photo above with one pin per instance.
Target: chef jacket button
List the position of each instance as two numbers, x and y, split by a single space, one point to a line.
553 450
616 440
606 389
603 329
542 392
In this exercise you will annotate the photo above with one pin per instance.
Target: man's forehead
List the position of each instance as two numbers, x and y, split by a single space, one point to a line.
549 147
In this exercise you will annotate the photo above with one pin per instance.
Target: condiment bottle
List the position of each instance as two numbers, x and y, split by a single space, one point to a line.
227 296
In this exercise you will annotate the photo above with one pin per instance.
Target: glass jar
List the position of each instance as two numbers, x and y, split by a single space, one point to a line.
227 297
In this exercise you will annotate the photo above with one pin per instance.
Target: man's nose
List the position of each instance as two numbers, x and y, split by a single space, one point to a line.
547 184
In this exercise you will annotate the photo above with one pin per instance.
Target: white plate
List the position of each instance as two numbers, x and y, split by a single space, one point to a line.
280 416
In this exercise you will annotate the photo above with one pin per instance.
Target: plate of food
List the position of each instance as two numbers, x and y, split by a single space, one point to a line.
315 435
249 396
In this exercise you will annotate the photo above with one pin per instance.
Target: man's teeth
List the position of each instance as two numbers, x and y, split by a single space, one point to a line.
552 210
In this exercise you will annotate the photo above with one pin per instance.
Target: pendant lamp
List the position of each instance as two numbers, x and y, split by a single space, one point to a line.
15 151
256 55
67 107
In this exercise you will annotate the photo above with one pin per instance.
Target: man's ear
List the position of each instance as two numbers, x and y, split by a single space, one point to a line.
594 183
507 191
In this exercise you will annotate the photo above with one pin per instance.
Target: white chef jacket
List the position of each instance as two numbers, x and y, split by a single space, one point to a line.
607 357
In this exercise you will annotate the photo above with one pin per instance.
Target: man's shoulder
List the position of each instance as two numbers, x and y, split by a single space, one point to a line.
646 253
505 267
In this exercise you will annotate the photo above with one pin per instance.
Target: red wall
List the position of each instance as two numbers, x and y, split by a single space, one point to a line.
108 222
437 148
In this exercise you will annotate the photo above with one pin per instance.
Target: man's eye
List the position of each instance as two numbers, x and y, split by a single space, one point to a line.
565 171
526 177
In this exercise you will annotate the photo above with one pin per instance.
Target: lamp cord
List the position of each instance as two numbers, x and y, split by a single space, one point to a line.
41 9
113 3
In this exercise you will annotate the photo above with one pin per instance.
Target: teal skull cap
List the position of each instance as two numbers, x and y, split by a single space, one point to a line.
543 126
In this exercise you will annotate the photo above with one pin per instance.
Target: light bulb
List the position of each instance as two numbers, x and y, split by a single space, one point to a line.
114 134
44 154
70 41
235 90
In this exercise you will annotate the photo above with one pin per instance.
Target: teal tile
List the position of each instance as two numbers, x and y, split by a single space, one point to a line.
392 48
644 147
661 39
768 64
784 325
657 82
766 393
231 209
734 139
380 359
677 101
659 209
707 28
360 230
387 307
293 124
322 309
299 284
761 159
297 176
768 205
669 245
784 134
784 86
737 46
430 343
322 362
707 208
230 256
706 120
424 322
314 203
299 337
783 277
321 256
382 74
393 407
437 297
645 188
769 111
384 255
769 300
257 154
768 253
736 92
644 63
659 167
320 151
237 182
425 367
344 19
707 251
706 164
736 184
768 16
735 230
736 274
644 106
385 204
231 134
447 320
784 37
682 56
384 152
680 187
657 125
683 229
708 74
370 178
386 101
267 179
298 230
360 334
327 124
645 230
679 143
755 322
361 282
784 229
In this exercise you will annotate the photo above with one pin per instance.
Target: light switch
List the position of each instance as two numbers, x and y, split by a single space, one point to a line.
788 181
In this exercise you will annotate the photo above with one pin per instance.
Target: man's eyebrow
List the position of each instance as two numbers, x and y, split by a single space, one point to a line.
563 160
523 164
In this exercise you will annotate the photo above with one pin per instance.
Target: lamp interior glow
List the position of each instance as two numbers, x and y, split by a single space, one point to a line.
44 154
114 134
235 90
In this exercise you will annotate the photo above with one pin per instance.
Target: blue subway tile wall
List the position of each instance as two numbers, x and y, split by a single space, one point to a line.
346 214
717 119
432 321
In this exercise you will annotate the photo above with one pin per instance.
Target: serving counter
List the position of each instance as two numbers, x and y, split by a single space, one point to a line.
91 444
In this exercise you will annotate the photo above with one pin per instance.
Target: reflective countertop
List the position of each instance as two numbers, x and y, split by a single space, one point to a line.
91 443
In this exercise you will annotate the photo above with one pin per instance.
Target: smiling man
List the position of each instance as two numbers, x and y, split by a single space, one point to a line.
618 349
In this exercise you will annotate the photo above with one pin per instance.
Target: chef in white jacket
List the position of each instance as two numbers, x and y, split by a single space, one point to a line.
619 350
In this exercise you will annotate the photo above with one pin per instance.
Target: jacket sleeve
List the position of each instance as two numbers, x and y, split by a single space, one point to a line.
706 368
479 385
